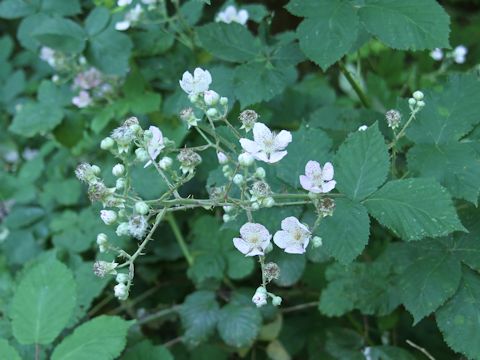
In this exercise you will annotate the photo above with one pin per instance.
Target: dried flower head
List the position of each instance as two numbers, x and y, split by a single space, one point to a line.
271 271
137 226
103 268
325 206
189 160
394 118
248 118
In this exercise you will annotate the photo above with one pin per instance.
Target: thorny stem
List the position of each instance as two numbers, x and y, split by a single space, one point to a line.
356 87
179 237
419 348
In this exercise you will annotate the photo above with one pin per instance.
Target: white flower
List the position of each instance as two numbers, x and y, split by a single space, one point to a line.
88 79
222 158
155 144
459 54
267 146
122 25
436 54
196 83
124 2
211 97
294 236
363 128
316 179
133 15
108 216
260 297
47 54
230 14
254 239
82 100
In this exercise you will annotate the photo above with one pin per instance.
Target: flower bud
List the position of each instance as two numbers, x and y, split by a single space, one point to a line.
120 183
255 206
260 297
260 173
238 179
268 202
227 208
418 95
222 158
122 229
223 101
210 97
96 170
245 159
420 104
142 208
165 163
317 241
412 101
141 155
121 291
103 268
121 278
118 170
363 128
226 218
193 98
108 216
269 248
212 112
102 239
276 300
107 143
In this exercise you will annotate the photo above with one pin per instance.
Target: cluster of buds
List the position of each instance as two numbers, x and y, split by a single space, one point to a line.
416 102
121 290
458 55
261 295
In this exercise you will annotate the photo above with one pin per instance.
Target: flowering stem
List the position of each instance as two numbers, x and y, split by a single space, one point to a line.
158 315
404 128
358 90
179 237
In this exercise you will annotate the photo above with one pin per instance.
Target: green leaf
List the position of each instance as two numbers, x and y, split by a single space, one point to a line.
230 42
345 233
146 350
104 336
456 166
431 279
291 267
318 144
414 209
36 118
110 51
7 351
14 85
239 325
329 30
267 81
43 303
61 34
13 9
388 352
238 265
458 318
449 114
362 163
97 20
407 24
26 28
199 314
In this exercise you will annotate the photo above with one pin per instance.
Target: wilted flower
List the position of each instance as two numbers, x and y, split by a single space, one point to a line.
230 14
155 144
254 239
271 271
103 268
123 135
196 83
248 118
187 115
393 118
266 145
188 160
86 173
316 179
260 190
260 297
88 79
137 226
459 54
97 191
436 54
82 100
325 206
294 236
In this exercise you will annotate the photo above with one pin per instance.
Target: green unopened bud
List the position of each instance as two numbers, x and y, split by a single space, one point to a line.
223 101
96 170
212 112
418 95
276 300
142 208
238 179
141 155
107 143
260 173
118 170
317 241
268 202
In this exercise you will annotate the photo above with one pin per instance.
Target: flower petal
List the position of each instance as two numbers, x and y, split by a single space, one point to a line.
262 156
261 133
255 251
277 156
282 239
290 224
312 168
295 249
327 173
328 186
249 146
306 182
282 139
241 245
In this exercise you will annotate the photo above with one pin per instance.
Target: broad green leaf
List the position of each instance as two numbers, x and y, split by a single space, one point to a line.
362 163
291 266
388 352
97 20
36 118
61 7
61 34
146 350
230 42
414 209
7 351
458 318
110 51
14 85
199 314
104 336
307 144
431 279
268 81
456 166
53 95
449 114
238 265
345 233
26 28
238 325
407 24
13 9
43 303
329 30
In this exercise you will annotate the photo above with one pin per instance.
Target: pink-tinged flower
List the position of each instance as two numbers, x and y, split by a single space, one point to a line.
254 239
82 100
230 14
266 145
316 179
196 83
155 144
294 236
